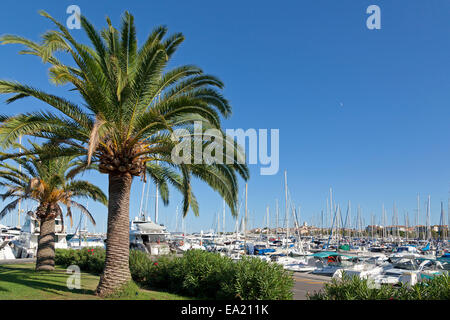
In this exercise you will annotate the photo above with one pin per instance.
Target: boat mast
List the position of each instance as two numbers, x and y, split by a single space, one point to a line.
331 210
268 227
327 219
20 170
358 221
441 222
395 221
383 219
245 218
276 232
417 218
349 224
142 199
237 221
287 213
223 226
218 222
406 225
176 219
321 223
428 219
146 211
156 202
448 217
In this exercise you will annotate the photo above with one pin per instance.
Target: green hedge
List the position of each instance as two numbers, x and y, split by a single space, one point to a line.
197 274
91 260
209 275
354 288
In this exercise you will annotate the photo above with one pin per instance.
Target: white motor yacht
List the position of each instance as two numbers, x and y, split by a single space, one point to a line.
148 236
26 244
6 252
304 264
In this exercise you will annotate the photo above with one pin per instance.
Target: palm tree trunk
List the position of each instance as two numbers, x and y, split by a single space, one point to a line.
45 256
117 270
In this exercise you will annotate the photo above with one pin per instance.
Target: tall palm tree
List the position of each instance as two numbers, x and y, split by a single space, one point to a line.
131 106
50 182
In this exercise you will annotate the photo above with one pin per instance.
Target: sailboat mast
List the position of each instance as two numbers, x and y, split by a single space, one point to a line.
267 222
331 210
245 218
417 217
321 223
448 217
428 218
142 199
20 170
276 232
146 211
223 225
218 222
441 222
287 213
176 220
156 202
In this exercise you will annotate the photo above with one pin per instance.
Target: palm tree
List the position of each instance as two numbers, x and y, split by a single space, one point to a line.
131 107
50 182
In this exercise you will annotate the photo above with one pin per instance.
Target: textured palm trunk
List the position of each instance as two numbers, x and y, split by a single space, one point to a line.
117 270
45 256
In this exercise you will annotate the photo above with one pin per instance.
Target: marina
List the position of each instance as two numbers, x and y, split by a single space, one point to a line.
225 151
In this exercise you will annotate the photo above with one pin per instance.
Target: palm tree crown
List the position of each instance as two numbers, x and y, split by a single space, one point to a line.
130 104
48 181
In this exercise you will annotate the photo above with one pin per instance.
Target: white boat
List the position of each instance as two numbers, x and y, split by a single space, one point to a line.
405 252
6 252
26 244
329 263
305 264
147 236
194 246
409 271
80 241
362 270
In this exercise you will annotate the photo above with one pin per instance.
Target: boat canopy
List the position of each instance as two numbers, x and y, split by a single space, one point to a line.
325 254
263 251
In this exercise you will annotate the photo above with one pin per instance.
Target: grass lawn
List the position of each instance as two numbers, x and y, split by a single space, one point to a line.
22 282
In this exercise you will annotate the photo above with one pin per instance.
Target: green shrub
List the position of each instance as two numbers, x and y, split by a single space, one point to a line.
256 279
140 266
87 259
202 274
198 274
209 275
354 288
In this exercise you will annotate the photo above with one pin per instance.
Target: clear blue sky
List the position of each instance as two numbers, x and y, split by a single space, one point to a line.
363 111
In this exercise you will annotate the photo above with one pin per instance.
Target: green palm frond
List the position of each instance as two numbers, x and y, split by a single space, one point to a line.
132 103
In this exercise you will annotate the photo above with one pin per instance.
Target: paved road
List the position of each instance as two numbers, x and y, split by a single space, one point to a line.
307 283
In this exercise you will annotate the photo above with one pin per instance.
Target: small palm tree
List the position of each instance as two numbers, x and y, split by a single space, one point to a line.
131 106
50 183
